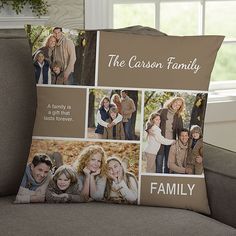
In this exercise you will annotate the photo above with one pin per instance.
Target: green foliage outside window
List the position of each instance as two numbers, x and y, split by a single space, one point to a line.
38 7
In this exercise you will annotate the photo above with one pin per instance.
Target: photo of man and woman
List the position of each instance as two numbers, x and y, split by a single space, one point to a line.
173 132
61 56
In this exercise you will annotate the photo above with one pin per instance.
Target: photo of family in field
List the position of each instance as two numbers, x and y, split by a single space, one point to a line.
61 56
73 171
114 114
173 132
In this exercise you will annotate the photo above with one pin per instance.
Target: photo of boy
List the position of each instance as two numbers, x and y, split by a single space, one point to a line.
42 69
195 155
116 131
57 73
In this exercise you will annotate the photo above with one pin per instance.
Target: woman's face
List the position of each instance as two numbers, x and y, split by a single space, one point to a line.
63 182
196 135
115 169
176 105
116 98
52 42
95 162
106 103
157 120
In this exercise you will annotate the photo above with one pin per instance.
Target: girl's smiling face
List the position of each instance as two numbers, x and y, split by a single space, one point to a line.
115 169
63 182
196 135
106 103
157 120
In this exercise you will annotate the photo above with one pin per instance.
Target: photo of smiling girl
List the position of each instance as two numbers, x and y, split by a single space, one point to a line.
64 186
154 141
122 186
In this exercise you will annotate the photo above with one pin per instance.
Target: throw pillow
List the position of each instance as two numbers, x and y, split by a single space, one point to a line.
120 118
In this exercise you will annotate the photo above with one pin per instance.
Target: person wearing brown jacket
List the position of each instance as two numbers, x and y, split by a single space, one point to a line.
171 124
57 74
64 52
115 131
127 109
195 155
177 160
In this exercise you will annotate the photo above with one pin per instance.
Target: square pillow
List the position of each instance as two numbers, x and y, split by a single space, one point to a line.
120 117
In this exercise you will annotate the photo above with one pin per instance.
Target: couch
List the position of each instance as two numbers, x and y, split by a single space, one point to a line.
17 107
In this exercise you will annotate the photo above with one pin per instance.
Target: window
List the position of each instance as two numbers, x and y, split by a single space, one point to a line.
182 17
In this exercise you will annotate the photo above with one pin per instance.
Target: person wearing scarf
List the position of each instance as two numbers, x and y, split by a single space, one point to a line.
171 124
35 180
64 52
177 160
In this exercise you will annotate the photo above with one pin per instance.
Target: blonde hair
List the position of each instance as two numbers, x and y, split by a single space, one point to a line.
113 98
150 122
47 40
171 101
113 109
85 157
68 171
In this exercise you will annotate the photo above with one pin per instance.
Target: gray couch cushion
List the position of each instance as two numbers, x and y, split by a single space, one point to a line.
104 219
17 107
220 172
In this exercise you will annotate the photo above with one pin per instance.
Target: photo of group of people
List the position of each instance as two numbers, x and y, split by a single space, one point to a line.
114 114
61 56
173 132
74 171
99 141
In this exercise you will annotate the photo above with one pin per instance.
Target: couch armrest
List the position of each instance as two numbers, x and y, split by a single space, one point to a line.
220 173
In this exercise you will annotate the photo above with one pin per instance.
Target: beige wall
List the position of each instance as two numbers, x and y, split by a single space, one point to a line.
220 127
68 14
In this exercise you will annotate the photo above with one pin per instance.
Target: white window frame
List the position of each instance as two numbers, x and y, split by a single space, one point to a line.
99 15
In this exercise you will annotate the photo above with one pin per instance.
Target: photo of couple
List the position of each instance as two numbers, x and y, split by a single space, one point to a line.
94 172
173 132
114 114
59 55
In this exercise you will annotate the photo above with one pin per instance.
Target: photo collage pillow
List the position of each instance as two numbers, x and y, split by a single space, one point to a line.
120 118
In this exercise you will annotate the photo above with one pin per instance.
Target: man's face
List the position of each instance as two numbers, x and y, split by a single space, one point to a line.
123 94
57 34
184 137
40 172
